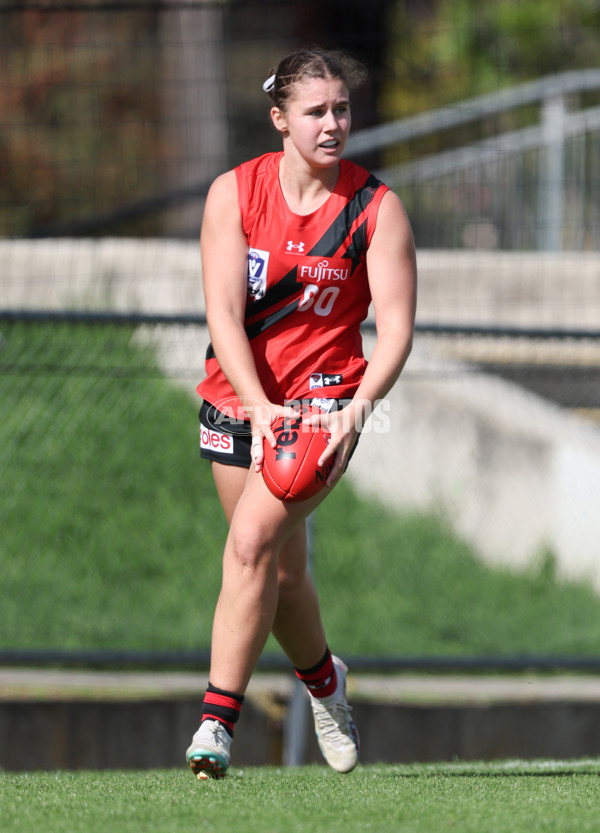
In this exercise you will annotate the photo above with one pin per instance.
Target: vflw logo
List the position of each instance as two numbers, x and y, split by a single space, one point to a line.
258 261
295 247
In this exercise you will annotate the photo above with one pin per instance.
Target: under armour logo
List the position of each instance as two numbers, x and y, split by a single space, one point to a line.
298 247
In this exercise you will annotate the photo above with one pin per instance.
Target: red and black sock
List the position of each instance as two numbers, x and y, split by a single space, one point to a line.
321 679
223 706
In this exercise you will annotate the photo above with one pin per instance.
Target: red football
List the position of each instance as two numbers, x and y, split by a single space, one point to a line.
291 469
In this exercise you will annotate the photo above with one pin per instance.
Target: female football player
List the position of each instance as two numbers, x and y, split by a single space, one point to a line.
295 247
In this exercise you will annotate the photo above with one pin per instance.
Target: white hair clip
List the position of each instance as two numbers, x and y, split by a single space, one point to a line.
269 84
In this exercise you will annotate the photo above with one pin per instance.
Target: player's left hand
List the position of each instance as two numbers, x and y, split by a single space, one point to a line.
343 439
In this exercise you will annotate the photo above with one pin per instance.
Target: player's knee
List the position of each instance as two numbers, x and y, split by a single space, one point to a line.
252 548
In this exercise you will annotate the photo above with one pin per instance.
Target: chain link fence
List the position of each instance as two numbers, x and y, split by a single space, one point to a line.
112 532
114 119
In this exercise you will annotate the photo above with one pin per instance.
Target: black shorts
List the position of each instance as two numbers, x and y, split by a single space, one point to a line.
227 440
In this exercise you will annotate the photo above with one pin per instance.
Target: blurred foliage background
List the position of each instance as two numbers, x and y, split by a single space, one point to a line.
87 93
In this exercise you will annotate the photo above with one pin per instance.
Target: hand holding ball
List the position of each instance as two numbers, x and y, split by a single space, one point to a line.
291 470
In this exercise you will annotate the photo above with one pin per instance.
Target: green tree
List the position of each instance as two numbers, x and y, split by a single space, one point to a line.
460 48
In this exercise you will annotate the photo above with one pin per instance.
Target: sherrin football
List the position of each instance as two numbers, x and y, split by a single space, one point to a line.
291 469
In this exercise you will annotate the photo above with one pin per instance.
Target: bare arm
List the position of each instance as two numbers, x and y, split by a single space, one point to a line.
224 250
392 272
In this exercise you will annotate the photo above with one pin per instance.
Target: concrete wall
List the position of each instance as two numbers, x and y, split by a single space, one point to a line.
60 719
457 287
514 474
113 734
130 734
106 274
518 289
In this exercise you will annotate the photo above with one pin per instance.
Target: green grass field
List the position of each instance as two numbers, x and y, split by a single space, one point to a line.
111 538
558 797
112 532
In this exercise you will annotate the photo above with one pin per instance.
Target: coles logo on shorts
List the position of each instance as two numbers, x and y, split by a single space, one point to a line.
216 441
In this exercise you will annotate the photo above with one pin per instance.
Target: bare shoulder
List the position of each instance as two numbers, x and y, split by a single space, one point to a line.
222 232
392 215
391 262
393 235
223 191
221 221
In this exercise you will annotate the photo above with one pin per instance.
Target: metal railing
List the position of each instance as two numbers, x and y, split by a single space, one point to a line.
557 124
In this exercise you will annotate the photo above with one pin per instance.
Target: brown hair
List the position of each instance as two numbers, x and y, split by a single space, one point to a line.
313 62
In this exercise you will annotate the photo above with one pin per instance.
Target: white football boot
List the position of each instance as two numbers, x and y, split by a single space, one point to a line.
208 754
336 732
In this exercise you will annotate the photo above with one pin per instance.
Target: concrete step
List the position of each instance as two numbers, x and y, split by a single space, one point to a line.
96 720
